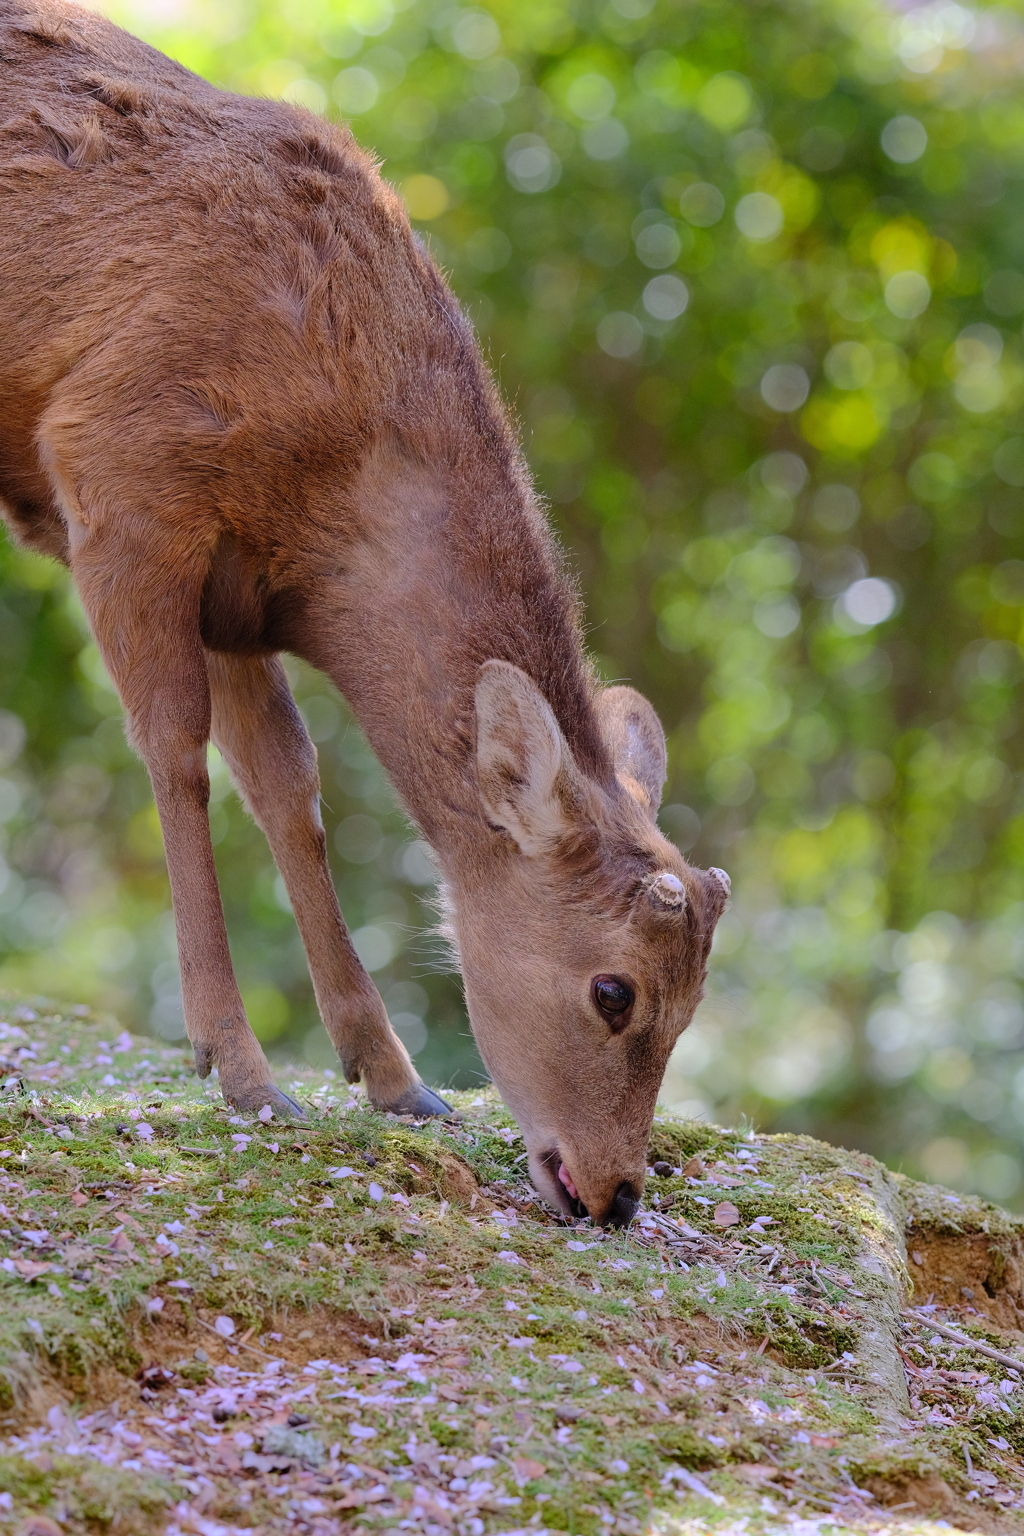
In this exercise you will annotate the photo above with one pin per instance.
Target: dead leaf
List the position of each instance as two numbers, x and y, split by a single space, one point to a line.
353 1499
38 1525
525 1469
755 1472
825 1442
726 1214
122 1244
79 1199
28 1269
694 1169
609 1420
451 1393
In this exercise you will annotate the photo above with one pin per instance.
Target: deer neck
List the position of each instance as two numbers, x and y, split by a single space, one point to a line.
444 572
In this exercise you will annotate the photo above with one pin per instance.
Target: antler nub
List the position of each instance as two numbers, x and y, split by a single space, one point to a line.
667 890
723 880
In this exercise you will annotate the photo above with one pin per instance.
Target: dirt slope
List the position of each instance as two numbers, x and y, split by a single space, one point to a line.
211 1325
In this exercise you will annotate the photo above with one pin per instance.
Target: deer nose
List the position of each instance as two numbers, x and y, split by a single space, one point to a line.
623 1207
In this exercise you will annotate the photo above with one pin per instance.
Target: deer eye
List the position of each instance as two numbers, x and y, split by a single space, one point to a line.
612 997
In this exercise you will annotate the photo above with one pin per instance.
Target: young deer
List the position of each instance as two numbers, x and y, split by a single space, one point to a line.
237 399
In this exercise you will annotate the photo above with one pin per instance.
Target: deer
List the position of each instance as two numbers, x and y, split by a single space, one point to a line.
239 402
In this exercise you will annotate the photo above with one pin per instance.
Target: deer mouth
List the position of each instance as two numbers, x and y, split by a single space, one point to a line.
552 1161
624 1203
565 1178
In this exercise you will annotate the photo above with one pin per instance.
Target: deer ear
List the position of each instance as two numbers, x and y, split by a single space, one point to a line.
520 756
637 744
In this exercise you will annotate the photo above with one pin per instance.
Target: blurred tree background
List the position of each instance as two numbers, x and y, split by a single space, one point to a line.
751 274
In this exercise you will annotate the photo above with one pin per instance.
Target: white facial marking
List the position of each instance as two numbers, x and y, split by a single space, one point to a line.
667 890
723 880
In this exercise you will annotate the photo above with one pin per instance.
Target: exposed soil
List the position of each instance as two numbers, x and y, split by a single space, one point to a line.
930 1495
969 1270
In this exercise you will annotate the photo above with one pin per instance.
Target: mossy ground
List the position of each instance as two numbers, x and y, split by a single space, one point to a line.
177 1281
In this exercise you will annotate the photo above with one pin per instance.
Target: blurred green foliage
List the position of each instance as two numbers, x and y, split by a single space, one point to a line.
752 275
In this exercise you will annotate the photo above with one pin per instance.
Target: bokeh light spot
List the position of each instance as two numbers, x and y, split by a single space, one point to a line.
666 297
759 216
908 294
904 139
785 387
426 197
726 101
870 601
620 334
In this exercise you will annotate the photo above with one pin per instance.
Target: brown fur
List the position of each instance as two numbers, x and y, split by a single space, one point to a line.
238 400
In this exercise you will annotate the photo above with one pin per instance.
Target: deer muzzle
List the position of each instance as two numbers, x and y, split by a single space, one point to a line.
608 1202
624 1206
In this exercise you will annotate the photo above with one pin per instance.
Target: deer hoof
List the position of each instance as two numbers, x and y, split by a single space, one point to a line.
421 1102
254 1099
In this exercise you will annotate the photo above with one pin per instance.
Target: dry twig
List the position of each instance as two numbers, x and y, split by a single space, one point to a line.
966 1342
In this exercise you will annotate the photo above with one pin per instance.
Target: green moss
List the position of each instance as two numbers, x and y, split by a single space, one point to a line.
677 1141
85 1496
195 1371
682 1444
929 1205
608 1328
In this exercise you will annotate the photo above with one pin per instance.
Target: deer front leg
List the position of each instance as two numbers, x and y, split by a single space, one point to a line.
155 657
258 729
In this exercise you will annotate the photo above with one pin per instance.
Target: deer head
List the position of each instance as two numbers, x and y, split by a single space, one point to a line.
583 937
